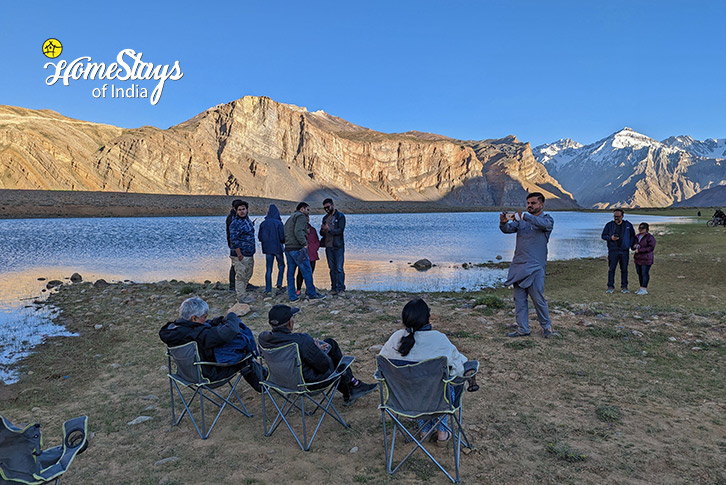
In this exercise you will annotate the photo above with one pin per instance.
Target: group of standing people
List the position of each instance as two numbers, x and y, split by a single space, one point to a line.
294 244
621 239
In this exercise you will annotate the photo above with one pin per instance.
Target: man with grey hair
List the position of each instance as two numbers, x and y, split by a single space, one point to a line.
223 339
527 271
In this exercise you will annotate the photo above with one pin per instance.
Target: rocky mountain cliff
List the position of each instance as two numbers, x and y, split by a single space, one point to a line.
630 169
255 146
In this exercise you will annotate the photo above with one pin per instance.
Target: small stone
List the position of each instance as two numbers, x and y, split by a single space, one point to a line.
150 407
680 277
335 312
354 449
98 326
636 333
696 348
100 283
115 365
36 409
240 309
376 347
171 459
53 284
164 368
466 451
139 420
672 339
76 278
499 256
422 264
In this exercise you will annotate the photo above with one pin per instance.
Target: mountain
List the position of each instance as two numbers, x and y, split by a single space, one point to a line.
713 197
255 146
633 170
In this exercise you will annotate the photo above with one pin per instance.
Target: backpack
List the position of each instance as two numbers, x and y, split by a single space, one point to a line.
236 349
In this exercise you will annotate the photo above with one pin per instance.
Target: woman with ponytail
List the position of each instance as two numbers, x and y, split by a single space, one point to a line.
417 342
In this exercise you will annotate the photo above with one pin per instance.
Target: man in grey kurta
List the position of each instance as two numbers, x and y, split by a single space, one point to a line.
527 271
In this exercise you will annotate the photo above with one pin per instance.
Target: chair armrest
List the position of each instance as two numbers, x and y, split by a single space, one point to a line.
218 364
344 364
471 368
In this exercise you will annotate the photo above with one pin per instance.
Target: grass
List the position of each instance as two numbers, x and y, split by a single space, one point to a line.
622 395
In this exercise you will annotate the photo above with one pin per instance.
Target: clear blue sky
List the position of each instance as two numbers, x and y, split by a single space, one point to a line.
540 70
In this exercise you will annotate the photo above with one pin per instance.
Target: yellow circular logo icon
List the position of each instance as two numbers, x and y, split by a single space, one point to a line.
52 48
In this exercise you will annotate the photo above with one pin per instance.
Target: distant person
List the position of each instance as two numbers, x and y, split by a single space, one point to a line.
313 246
296 252
417 342
272 236
319 358
242 251
235 203
527 271
331 232
620 236
643 246
224 340
699 213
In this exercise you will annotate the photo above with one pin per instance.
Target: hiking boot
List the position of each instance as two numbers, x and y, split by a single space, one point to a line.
251 287
359 391
317 296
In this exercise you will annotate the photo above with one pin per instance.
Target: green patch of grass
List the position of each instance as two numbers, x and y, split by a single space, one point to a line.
608 414
186 290
491 301
521 344
605 332
565 452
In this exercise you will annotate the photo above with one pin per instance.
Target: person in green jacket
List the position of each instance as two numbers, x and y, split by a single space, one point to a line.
296 252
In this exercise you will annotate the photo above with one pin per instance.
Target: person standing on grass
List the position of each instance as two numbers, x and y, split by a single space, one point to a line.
242 251
313 246
643 257
620 236
235 203
296 252
527 271
272 236
331 232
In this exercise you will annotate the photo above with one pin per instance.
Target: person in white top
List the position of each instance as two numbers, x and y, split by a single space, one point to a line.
417 342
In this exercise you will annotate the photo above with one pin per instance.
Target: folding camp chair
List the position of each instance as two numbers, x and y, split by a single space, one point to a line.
288 391
189 375
23 461
421 390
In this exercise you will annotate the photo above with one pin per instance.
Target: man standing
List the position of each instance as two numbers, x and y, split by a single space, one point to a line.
242 251
620 236
235 203
296 252
527 271
272 237
319 357
332 240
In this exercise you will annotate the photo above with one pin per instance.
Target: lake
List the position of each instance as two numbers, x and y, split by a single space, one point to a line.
379 251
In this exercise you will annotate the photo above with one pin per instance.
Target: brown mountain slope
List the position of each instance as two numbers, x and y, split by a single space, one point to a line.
255 146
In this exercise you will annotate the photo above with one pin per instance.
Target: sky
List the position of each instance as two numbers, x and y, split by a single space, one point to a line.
539 70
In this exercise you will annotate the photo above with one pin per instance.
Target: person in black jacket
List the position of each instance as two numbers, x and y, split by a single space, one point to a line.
235 203
319 357
332 239
620 236
211 336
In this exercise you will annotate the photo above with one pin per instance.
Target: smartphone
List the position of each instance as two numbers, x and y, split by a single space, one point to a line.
510 216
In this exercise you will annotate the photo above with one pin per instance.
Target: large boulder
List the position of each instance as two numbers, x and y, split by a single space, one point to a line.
422 264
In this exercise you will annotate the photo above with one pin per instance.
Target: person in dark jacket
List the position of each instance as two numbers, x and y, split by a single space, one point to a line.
333 241
210 336
620 236
319 357
242 251
643 246
296 252
313 246
272 236
235 203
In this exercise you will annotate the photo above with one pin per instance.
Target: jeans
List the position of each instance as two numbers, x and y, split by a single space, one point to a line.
269 263
299 259
643 274
336 258
615 258
299 277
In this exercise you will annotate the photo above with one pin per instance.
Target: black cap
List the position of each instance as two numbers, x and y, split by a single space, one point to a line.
281 314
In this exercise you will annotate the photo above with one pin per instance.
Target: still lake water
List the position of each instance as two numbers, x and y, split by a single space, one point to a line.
379 251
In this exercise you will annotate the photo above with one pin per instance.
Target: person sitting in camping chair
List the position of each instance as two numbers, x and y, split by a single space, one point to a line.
319 358
417 342
224 340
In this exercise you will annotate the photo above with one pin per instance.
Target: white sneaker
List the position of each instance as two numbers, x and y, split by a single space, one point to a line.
624 290
609 290
641 291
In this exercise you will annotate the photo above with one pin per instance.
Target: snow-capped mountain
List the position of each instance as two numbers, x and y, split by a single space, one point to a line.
631 169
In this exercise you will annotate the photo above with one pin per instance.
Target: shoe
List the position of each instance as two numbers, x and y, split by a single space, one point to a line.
334 292
444 441
641 291
317 296
359 391
517 334
295 299
549 333
609 290
297 292
624 290
251 287
246 299
279 287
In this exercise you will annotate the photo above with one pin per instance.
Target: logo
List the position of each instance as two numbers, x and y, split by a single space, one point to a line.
52 48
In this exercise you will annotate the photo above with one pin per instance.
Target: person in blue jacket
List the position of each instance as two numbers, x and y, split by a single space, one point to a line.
620 236
242 251
272 236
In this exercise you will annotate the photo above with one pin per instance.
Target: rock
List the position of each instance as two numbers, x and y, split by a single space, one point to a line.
240 309
100 283
76 278
499 256
115 365
139 420
36 409
422 264
354 449
150 407
672 339
171 459
636 333
376 347
696 348
334 312
42 279
98 326
53 283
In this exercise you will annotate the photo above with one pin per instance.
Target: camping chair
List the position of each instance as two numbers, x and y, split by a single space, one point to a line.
421 390
287 390
22 460
189 375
